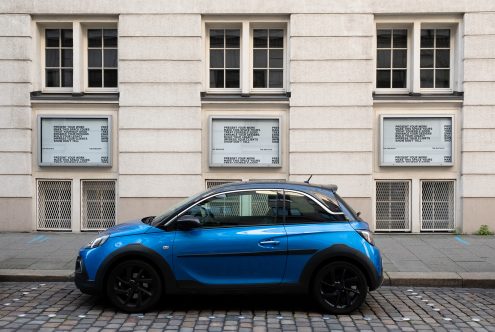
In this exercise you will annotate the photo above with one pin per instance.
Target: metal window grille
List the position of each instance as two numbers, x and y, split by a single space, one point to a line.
229 206
98 204
54 205
437 205
392 206
215 183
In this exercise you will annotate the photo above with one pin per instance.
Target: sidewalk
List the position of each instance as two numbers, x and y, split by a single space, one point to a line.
408 259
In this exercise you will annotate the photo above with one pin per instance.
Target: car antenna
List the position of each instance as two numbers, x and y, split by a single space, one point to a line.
307 181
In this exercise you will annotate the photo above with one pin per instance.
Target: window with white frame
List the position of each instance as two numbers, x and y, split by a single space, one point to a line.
58 58
246 57
417 56
225 58
102 58
391 58
78 57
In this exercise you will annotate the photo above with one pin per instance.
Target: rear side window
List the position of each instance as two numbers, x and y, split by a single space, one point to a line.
347 209
300 209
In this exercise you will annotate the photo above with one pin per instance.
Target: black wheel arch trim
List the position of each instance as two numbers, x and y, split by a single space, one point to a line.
133 251
341 252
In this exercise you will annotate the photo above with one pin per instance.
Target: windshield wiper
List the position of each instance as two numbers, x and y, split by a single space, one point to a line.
148 220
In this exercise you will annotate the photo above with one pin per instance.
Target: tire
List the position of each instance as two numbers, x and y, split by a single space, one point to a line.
339 288
133 286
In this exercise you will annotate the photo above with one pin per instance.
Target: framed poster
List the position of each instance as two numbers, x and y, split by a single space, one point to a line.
416 140
244 142
74 141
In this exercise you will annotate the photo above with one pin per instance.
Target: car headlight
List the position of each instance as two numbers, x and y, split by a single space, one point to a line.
367 235
97 242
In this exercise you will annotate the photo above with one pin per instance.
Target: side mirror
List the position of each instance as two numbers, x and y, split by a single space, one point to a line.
186 223
358 214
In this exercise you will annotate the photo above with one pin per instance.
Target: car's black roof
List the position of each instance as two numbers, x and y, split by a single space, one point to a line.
301 186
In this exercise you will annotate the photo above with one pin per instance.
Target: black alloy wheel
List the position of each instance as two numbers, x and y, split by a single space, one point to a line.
340 288
134 286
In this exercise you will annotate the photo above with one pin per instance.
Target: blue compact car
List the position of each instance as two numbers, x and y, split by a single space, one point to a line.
240 237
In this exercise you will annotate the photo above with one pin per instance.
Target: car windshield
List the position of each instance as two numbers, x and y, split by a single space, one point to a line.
167 214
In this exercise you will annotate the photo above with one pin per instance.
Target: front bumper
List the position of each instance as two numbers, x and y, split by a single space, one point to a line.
82 281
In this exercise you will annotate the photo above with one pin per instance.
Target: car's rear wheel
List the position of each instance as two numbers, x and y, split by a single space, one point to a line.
134 286
340 287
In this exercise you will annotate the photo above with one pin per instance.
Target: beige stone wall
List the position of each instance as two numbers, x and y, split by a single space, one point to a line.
331 73
15 122
161 124
478 148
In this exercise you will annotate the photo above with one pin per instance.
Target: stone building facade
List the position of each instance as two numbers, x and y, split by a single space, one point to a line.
348 84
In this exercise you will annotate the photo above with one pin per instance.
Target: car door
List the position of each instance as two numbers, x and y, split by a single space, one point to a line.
239 242
310 227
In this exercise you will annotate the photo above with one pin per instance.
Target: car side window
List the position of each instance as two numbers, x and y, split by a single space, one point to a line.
300 209
246 208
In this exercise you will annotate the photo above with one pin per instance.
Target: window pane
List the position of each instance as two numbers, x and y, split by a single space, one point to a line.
276 58
94 78
236 209
94 38
383 59
216 59
94 58
260 59
276 78
67 77
426 59
67 58
232 38
232 59
52 58
383 78
443 38
426 78
443 59
52 37
232 78
384 38
110 37
216 78
66 37
110 78
442 78
400 59
399 79
276 38
298 208
400 38
260 38
216 38
52 78
259 78
427 38
110 58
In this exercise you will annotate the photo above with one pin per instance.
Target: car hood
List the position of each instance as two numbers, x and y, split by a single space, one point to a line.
129 228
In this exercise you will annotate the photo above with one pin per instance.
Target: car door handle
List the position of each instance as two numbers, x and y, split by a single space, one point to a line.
269 243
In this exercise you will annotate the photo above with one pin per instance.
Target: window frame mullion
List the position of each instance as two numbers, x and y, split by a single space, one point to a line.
246 62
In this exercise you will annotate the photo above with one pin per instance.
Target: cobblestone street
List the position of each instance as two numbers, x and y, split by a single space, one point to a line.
60 306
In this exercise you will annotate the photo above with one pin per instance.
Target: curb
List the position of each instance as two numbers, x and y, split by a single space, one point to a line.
36 275
440 279
417 279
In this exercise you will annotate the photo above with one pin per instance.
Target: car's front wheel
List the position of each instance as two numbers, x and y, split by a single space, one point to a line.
340 287
134 286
